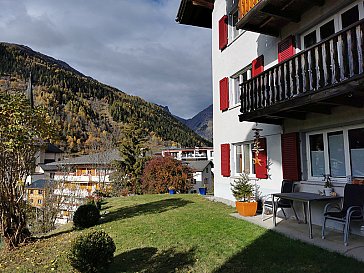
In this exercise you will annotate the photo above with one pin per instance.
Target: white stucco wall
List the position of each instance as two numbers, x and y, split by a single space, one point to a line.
227 128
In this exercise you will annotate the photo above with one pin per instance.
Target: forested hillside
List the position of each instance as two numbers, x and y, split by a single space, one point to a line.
86 110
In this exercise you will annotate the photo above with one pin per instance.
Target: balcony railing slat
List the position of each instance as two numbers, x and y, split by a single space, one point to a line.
361 37
337 58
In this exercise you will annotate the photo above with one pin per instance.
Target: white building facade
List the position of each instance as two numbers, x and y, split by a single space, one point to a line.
295 70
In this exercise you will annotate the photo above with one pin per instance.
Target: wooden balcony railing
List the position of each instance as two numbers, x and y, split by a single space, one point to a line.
245 6
333 61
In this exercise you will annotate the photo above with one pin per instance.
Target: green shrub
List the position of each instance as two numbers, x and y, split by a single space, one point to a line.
92 252
86 216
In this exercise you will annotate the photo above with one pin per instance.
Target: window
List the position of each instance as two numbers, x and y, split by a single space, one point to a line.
244 158
39 201
327 29
356 144
339 153
233 20
310 39
349 17
40 192
237 79
336 154
31 191
317 155
232 11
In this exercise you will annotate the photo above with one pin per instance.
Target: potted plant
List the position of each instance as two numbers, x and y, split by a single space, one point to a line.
243 192
328 187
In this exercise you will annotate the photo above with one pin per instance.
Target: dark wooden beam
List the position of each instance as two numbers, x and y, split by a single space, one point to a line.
275 12
347 102
290 114
318 109
203 3
315 2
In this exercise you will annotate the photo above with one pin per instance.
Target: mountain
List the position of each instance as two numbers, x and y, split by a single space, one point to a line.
87 111
201 123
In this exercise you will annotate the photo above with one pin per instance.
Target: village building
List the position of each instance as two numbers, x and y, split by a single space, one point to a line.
190 154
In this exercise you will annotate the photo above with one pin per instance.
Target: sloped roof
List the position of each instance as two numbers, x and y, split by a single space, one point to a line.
38 184
51 148
102 158
47 167
199 165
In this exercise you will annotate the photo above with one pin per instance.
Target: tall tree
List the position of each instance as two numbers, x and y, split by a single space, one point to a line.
133 148
22 130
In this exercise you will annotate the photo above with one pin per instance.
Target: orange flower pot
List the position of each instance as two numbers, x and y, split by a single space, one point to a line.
246 208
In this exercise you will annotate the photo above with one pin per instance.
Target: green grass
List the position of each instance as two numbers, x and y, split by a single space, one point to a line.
181 233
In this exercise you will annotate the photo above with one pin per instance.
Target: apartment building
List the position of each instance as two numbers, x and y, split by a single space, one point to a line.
287 75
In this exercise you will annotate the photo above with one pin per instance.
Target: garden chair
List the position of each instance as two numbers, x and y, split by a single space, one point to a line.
351 209
287 187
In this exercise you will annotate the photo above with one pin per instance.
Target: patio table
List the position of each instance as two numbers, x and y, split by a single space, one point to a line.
304 197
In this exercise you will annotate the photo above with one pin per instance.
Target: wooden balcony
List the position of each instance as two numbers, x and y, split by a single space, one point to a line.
315 80
269 16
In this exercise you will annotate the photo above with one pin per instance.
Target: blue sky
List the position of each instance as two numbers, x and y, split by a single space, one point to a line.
134 45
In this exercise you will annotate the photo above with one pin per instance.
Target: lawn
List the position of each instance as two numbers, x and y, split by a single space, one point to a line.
181 233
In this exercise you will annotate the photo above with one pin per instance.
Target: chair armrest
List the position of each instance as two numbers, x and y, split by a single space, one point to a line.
353 209
330 206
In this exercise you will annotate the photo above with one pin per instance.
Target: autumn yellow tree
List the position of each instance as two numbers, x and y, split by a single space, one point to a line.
22 130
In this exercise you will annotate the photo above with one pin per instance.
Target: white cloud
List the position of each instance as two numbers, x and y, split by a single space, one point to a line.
135 46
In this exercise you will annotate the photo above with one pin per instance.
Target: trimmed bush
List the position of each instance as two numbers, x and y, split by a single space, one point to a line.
92 252
86 216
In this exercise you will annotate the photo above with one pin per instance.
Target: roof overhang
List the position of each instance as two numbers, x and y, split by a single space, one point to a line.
270 16
196 13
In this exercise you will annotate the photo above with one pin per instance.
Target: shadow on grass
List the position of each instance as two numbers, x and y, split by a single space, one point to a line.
147 208
148 259
275 253
54 233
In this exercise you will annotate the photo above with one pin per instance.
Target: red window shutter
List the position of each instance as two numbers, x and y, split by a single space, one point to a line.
224 94
258 66
261 169
223 32
291 164
225 160
286 49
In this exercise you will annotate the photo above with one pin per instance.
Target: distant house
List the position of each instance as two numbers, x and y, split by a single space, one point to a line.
35 193
202 174
46 154
190 154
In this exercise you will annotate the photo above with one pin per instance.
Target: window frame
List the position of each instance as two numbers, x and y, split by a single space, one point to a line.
251 167
347 159
233 33
235 90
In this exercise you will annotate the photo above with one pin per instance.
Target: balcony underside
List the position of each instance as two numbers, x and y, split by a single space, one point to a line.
347 93
269 16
